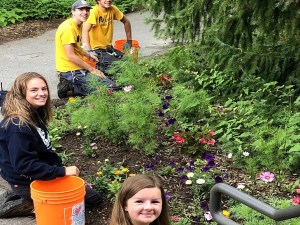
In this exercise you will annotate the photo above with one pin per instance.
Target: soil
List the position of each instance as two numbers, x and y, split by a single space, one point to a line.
133 159
27 29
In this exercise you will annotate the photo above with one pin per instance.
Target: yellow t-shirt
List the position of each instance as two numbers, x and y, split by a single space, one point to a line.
67 33
101 33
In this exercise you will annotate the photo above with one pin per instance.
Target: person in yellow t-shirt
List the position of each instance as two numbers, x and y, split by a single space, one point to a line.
97 32
74 72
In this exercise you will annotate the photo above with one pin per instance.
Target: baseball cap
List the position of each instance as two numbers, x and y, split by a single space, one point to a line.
80 4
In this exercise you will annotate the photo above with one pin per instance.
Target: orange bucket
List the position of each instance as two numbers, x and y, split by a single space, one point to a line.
90 62
59 201
134 51
119 44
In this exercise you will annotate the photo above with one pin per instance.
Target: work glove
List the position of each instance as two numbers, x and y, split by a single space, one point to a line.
92 52
127 45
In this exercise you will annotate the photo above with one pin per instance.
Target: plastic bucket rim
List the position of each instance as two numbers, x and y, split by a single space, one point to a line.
56 192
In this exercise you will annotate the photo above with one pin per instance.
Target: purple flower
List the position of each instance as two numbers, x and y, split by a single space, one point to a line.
218 179
166 105
184 178
168 196
208 157
160 113
168 97
206 168
155 159
192 163
226 175
171 121
204 206
149 167
211 164
172 164
190 168
180 170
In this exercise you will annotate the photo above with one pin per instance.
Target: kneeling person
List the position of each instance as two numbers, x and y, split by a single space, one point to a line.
97 33
74 72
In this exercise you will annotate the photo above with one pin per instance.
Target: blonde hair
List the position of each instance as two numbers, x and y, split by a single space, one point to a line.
129 188
15 104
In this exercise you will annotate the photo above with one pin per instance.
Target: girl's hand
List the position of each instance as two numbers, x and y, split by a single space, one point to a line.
72 171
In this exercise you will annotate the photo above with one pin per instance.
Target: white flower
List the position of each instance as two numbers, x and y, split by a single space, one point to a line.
200 181
78 133
128 88
229 156
188 182
246 154
189 175
85 127
240 186
106 160
79 127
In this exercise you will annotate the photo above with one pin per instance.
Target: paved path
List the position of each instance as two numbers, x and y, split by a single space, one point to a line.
37 55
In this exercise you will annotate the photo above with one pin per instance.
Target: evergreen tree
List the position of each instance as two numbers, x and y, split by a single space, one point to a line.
241 37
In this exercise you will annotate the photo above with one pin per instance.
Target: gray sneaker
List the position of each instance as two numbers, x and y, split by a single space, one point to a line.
12 205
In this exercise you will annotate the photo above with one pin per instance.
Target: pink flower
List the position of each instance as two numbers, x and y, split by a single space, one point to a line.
202 140
110 91
298 191
267 176
295 201
128 88
211 132
175 218
208 216
211 141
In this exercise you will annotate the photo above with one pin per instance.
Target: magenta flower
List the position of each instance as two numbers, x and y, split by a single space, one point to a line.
295 201
267 176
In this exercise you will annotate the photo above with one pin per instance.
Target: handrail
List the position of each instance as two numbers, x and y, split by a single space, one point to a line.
215 205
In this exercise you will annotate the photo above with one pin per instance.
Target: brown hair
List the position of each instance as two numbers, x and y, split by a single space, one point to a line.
129 188
16 106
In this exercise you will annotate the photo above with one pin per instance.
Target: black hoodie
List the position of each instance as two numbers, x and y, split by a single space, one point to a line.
26 154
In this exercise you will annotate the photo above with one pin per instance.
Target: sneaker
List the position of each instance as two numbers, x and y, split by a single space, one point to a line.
64 88
12 205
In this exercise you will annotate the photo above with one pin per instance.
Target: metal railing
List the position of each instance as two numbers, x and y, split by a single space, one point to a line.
215 205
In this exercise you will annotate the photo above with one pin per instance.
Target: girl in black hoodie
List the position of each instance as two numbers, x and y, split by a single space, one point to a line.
25 149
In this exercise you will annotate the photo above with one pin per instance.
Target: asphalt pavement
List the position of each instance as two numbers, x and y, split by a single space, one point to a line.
38 55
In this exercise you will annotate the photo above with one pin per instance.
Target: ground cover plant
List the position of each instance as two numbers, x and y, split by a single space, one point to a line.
176 118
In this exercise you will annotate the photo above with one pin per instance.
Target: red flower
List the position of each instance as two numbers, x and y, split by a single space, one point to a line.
211 141
110 91
178 138
211 132
202 140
